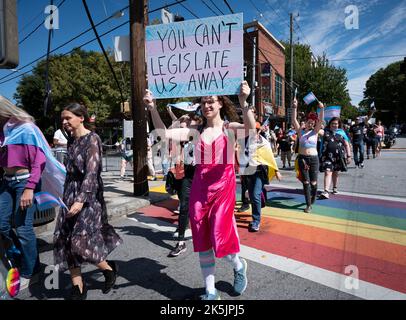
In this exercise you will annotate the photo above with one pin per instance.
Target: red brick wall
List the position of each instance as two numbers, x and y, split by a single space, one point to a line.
276 56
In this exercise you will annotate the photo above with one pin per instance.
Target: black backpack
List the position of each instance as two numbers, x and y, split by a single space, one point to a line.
172 184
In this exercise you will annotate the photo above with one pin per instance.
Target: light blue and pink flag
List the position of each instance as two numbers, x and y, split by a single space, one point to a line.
309 98
46 200
53 176
330 112
201 57
185 106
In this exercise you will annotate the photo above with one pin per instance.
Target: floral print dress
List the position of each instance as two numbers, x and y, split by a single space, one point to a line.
86 237
333 151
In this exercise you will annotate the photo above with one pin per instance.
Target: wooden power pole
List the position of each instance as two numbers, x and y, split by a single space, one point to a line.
138 20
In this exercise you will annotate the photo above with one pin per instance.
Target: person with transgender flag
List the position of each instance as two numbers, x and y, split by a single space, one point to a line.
29 167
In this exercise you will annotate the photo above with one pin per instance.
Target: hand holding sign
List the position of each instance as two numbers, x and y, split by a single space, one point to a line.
244 92
149 100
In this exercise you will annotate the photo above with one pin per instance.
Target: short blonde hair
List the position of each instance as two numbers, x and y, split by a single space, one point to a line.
9 110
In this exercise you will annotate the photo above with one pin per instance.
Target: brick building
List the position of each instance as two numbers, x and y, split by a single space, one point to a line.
267 54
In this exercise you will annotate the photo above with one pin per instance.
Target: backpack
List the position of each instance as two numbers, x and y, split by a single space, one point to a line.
172 184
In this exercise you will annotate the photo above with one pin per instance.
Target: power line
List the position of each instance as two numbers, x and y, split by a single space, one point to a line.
190 11
102 48
210 8
216 7
67 42
37 27
229 7
86 43
260 50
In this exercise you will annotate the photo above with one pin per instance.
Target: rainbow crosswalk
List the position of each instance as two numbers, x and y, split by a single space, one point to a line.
347 230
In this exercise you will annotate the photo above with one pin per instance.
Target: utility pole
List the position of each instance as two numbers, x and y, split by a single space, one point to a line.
138 20
289 113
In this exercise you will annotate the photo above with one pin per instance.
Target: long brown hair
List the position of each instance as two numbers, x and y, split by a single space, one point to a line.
226 112
340 124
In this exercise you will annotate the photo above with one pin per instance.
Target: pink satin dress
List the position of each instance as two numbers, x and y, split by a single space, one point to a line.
212 198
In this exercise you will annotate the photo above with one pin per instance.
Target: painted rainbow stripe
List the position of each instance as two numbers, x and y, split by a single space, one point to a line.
13 282
369 233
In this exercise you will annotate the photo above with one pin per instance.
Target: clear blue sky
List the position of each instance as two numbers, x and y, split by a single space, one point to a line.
382 26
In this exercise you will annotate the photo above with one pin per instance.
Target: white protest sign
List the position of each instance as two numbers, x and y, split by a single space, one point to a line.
201 57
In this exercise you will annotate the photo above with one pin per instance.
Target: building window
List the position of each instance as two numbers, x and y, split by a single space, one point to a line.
266 82
278 90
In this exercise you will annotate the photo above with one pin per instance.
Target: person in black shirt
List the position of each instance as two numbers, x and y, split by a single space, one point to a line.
284 143
371 140
357 132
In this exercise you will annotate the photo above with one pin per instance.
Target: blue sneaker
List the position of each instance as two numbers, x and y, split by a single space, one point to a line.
209 296
240 278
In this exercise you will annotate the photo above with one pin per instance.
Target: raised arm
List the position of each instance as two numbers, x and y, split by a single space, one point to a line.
180 134
319 122
248 116
295 123
171 114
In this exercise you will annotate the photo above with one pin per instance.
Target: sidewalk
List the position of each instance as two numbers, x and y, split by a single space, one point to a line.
119 198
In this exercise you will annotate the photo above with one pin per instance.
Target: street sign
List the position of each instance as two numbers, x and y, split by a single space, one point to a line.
8 34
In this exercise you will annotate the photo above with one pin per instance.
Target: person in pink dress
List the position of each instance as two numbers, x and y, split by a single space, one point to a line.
213 191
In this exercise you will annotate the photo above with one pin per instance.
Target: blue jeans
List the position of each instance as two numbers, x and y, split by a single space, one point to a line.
10 194
358 148
256 183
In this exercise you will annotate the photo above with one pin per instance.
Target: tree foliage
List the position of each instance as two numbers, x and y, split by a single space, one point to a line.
82 76
326 81
387 89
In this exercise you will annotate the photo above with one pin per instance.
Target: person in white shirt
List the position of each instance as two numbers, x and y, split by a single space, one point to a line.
60 144
60 140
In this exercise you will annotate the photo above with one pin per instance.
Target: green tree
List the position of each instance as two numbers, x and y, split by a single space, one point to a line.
325 80
387 89
82 76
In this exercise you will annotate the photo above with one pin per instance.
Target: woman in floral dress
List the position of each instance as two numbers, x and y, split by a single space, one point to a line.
82 234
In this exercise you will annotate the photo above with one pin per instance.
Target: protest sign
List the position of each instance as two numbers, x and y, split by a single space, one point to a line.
330 112
199 57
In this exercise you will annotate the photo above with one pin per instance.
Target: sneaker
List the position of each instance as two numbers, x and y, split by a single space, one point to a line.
335 191
240 278
254 227
361 165
367 157
243 208
308 209
210 296
324 195
180 248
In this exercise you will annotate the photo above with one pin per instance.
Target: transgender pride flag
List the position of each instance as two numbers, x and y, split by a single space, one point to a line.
45 200
330 112
309 98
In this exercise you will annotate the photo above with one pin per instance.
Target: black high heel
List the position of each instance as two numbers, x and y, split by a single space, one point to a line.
76 294
110 276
